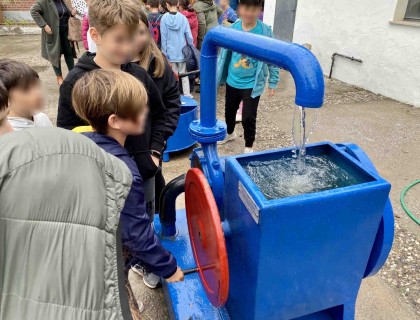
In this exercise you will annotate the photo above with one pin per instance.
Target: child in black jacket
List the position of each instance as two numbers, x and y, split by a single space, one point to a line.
112 26
150 58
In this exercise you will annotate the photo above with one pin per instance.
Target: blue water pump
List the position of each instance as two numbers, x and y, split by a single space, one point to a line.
299 257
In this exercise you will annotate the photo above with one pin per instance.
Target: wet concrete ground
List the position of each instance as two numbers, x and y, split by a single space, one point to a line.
388 131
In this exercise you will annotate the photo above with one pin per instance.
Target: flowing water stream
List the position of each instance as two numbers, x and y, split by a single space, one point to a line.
304 121
299 174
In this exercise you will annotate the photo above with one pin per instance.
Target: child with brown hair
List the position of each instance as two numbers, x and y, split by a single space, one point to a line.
151 59
114 103
112 27
26 99
186 9
154 17
4 110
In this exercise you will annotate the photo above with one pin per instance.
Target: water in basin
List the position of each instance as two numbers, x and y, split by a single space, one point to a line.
283 178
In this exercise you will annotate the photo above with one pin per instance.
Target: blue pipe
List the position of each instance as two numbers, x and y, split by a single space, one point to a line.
300 62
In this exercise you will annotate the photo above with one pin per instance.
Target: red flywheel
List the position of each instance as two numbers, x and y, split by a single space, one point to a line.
207 238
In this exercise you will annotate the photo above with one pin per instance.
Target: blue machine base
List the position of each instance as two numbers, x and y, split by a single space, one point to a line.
186 300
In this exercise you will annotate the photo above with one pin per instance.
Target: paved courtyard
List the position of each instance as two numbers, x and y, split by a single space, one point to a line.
387 130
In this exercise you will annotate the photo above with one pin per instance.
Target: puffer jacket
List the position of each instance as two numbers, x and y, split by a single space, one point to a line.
207 18
60 252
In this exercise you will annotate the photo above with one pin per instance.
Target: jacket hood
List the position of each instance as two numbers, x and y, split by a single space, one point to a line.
267 31
190 15
174 21
86 62
204 6
107 143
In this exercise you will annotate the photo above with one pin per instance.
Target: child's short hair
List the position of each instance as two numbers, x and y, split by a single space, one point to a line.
104 14
185 3
15 74
252 3
4 98
163 5
102 93
172 2
153 3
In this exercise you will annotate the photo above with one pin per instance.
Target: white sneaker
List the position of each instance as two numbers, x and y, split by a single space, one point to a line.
229 137
248 150
141 306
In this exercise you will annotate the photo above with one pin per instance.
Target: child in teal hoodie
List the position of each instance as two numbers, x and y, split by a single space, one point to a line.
244 76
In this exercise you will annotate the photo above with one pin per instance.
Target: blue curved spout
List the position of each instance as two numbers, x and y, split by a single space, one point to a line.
300 62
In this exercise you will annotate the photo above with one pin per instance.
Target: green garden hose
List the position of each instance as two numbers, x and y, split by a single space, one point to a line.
410 214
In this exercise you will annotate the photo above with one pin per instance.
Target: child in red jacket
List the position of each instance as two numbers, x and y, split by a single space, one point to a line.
186 9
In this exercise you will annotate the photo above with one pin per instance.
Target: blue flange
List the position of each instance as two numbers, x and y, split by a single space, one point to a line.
204 134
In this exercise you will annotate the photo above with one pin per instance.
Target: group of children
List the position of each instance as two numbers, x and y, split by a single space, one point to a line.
175 24
128 93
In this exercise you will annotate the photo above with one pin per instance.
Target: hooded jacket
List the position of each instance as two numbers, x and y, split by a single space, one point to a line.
136 231
60 251
193 21
138 146
168 88
175 32
207 18
264 70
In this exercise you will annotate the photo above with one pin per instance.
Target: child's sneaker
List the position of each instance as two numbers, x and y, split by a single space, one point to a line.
229 137
248 150
150 279
141 306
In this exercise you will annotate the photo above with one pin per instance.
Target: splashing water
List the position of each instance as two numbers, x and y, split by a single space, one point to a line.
300 134
281 178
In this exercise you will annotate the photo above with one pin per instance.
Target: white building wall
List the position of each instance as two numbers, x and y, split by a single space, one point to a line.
361 28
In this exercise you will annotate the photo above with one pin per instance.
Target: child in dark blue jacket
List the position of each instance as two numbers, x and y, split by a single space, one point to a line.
114 103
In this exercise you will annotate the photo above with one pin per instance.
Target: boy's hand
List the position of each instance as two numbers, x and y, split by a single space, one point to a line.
155 159
48 29
271 92
74 12
178 276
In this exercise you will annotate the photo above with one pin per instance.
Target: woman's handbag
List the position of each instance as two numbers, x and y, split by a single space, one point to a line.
75 30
